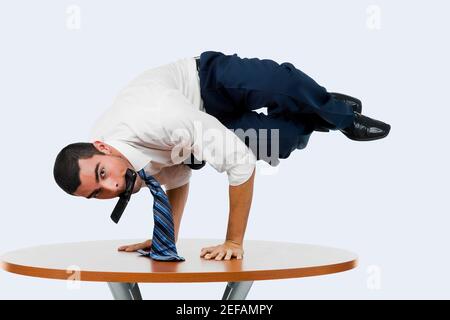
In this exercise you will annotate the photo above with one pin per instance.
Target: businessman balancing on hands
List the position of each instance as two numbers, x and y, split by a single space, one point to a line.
175 118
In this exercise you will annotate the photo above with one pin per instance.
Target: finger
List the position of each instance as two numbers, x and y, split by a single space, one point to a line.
210 255
239 256
135 247
124 247
214 253
229 254
206 250
220 255
131 248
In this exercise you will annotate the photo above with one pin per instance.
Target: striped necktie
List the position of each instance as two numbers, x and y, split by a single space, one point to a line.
163 241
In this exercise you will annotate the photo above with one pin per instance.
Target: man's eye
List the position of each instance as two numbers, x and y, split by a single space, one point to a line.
102 173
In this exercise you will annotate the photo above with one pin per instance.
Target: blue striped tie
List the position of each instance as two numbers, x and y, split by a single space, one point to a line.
163 242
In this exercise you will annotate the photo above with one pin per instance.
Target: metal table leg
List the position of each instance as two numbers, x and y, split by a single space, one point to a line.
237 290
125 291
130 291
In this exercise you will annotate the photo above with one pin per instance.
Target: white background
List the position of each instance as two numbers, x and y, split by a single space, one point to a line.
386 200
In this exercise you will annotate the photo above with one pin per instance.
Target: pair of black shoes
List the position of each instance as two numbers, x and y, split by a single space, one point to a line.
363 128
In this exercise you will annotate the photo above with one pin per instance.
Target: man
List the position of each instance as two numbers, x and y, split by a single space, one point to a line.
179 116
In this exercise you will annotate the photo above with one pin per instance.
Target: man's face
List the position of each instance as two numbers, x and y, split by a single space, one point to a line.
102 176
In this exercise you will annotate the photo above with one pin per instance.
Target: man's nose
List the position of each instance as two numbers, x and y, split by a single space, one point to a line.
112 185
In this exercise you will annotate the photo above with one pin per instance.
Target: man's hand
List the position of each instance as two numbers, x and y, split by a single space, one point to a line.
228 250
146 245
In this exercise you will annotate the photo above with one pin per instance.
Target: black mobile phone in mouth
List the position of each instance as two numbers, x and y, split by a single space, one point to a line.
124 197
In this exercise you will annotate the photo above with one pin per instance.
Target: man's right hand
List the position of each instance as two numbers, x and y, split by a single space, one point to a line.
146 245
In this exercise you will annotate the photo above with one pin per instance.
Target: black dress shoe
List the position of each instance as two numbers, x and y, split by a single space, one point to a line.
356 104
365 129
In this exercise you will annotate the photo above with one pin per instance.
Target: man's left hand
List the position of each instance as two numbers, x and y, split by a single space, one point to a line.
225 251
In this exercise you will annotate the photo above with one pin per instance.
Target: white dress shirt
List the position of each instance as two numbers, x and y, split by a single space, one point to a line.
161 112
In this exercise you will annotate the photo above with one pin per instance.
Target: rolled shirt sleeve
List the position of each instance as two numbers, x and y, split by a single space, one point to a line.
192 130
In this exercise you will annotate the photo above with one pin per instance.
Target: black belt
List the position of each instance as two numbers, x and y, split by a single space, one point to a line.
193 163
197 62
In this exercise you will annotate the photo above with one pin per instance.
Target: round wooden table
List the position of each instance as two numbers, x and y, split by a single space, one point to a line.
100 261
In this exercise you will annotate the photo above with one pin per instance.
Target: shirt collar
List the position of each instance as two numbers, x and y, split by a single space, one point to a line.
135 156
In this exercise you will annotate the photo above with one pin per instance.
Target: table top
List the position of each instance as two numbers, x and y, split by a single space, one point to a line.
101 261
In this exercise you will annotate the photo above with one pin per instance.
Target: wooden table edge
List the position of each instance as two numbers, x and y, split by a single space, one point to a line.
161 277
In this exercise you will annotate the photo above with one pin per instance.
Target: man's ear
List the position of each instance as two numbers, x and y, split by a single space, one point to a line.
102 147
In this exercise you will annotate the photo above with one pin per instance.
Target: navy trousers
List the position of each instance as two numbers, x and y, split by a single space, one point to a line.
233 87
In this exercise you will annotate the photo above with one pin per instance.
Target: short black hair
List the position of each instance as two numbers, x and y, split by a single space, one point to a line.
66 170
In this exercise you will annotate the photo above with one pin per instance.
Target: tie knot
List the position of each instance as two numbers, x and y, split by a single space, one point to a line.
149 179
